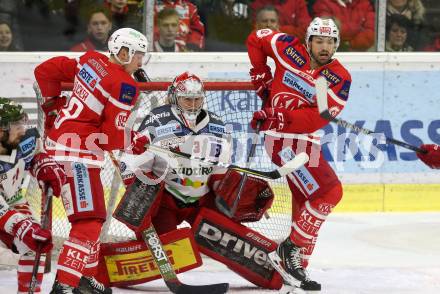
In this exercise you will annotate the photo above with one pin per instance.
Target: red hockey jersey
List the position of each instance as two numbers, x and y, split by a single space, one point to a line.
293 86
94 119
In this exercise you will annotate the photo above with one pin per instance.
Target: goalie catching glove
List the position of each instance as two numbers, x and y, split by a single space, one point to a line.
432 157
262 79
48 173
256 199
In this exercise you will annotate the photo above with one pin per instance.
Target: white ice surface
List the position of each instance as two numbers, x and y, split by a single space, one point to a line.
394 253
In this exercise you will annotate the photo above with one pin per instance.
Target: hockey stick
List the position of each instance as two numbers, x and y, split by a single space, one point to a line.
44 224
321 95
167 272
287 168
140 199
40 126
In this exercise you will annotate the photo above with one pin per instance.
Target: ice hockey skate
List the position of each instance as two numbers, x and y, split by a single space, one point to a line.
89 285
287 261
63 289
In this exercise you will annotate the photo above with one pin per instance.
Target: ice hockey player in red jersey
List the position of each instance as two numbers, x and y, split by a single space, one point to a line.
90 123
21 150
432 157
290 119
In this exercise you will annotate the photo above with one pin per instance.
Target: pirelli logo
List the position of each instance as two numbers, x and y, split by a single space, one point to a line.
137 266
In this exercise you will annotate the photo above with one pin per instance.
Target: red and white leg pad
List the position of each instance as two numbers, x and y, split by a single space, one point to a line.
131 263
240 248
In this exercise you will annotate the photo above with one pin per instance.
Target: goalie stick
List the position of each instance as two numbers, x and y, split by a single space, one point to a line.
139 192
44 224
321 96
287 168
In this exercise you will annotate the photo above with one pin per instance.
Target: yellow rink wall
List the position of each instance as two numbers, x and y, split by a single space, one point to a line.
380 198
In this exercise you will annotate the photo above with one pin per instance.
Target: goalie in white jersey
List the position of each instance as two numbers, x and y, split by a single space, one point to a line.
189 187
20 151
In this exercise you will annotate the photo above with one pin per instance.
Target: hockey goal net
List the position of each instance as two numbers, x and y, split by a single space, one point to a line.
234 102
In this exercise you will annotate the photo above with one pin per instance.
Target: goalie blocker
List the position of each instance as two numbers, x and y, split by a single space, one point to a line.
237 246
256 199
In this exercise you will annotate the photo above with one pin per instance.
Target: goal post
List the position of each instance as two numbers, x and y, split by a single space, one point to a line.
234 102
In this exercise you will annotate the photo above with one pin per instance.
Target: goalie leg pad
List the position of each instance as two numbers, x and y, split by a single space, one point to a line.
240 248
131 263
139 204
256 198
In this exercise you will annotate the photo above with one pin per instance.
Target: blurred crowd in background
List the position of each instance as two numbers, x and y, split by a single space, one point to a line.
212 25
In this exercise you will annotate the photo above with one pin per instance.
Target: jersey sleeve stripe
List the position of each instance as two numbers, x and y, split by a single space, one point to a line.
119 104
335 97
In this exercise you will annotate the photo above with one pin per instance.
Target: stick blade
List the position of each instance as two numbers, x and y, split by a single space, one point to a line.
203 289
321 94
294 164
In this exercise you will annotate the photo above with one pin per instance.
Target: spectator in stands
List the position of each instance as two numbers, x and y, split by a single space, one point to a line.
355 18
434 43
227 24
6 38
9 10
168 26
124 16
267 17
293 15
412 9
98 30
397 31
191 29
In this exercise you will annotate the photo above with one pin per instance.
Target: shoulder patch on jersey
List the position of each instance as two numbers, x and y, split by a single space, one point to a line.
330 76
168 129
263 33
286 38
29 142
344 91
216 128
88 76
127 93
293 55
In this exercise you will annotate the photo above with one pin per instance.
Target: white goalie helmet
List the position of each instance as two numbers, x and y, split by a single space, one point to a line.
324 27
186 85
133 40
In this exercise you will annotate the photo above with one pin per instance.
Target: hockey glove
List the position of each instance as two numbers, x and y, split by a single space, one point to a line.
28 235
51 107
270 119
48 173
138 143
261 78
432 158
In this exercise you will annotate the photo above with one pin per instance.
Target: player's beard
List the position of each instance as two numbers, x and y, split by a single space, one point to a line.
8 145
322 62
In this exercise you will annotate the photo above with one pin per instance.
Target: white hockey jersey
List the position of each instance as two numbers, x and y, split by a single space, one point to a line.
186 179
13 169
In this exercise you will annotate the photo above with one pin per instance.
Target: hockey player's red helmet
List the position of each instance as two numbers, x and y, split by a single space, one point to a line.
186 85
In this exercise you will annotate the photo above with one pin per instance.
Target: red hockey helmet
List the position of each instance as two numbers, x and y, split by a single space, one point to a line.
186 85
